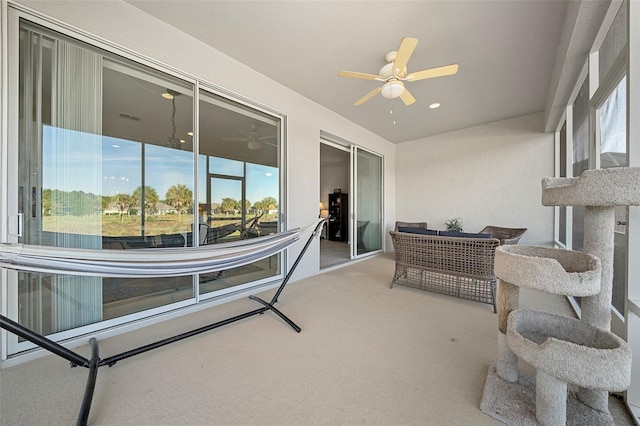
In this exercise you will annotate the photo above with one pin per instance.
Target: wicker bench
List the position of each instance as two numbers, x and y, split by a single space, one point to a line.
457 266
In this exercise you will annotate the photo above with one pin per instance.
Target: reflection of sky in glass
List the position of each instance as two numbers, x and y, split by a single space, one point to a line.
165 167
261 181
64 150
613 120
224 166
119 162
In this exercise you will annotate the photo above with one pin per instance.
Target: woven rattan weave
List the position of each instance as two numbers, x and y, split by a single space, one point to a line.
457 266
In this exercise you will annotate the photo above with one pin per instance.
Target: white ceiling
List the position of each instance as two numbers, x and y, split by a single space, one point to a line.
505 51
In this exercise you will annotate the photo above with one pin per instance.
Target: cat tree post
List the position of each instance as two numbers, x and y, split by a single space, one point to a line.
599 224
507 362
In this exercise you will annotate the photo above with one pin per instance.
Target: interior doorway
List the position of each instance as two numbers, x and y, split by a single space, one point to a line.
335 201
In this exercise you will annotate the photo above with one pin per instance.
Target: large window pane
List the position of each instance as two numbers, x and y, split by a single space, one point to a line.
580 156
613 43
562 225
613 153
104 162
239 190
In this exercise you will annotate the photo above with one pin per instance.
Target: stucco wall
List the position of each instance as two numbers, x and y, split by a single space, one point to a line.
486 175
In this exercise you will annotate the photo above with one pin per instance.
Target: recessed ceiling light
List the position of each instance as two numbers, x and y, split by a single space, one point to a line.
394 122
268 174
115 146
190 133
434 105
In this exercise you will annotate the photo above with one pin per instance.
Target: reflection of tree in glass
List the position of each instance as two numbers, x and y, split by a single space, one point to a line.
150 198
229 205
72 203
180 197
266 204
123 201
46 202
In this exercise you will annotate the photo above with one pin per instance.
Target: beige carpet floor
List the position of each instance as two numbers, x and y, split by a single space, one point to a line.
367 355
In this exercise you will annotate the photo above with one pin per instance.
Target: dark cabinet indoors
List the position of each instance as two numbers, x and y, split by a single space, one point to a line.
338 216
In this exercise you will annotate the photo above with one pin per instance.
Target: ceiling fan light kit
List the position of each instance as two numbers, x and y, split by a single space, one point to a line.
394 74
392 89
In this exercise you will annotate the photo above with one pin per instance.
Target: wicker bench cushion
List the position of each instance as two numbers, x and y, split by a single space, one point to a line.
463 234
413 230
424 231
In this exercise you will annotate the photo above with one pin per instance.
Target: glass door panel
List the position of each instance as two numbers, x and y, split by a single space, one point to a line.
367 234
102 146
239 185
105 160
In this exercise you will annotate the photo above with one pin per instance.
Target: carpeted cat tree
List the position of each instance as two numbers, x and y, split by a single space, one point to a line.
564 351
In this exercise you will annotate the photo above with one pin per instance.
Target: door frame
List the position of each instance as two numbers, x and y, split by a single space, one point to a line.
342 144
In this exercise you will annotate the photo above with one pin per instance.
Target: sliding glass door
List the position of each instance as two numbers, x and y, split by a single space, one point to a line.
239 196
351 196
367 223
101 146
102 153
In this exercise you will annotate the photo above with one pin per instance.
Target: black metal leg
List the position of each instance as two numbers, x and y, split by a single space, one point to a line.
43 342
73 358
274 299
110 361
94 363
270 307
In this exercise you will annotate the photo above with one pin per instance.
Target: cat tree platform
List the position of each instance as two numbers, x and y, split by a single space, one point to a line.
567 351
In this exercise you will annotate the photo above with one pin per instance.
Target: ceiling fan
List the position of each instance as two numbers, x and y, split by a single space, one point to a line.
253 138
394 74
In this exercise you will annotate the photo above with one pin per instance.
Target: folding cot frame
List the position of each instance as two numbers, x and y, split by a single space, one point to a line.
95 362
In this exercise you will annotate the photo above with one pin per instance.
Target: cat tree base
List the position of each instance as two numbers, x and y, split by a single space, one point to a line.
514 403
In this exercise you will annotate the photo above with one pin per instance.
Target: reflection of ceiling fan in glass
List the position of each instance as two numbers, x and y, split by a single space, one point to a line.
254 139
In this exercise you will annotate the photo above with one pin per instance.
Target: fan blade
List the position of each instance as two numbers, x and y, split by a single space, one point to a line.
407 97
368 96
354 74
433 72
407 45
